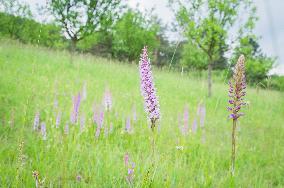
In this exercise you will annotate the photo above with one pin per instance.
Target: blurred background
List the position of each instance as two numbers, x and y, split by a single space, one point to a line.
185 36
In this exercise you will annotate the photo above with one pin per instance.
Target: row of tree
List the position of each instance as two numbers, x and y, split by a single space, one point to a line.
110 28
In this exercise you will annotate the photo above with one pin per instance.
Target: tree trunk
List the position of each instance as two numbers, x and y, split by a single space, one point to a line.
209 78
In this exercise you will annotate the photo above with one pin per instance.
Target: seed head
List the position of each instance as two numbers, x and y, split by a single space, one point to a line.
237 86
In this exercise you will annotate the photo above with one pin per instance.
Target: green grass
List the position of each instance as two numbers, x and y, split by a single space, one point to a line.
32 78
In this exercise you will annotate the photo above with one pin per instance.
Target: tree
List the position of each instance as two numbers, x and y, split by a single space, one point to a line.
258 64
15 14
133 31
193 57
206 24
80 18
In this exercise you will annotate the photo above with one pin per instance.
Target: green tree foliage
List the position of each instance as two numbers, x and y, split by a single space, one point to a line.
275 82
80 18
258 64
29 31
193 57
206 24
169 53
132 32
12 10
99 43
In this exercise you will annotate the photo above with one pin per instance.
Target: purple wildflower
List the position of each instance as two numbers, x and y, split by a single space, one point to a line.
237 87
76 107
58 119
82 123
96 118
107 101
202 113
99 124
148 89
126 159
36 120
134 113
98 131
101 120
194 126
55 104
78 177
128 125
66 129
43 130
130 173
186 119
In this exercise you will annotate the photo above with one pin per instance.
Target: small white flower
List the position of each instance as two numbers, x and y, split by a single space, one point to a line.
179 148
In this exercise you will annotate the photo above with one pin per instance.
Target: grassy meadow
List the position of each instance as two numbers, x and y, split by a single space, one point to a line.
33 78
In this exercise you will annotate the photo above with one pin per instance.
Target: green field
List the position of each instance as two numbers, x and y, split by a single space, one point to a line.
32 78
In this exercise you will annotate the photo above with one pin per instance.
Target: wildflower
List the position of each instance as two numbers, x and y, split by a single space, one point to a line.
148 89
66 129
82 123
36 176
43 130
58 119
179 148
98 131
38 181
101 119
201 113
237 86
55 104
130 173
36 120
76 107
96 118
78 177
126 159
134 114
128 125
185 120
99 124
21 161
194 126
107 101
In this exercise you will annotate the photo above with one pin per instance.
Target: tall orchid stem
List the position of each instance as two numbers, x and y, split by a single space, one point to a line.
153 141
233 147
153 144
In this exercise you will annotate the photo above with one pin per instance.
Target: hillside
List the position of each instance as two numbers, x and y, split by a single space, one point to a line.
33 79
